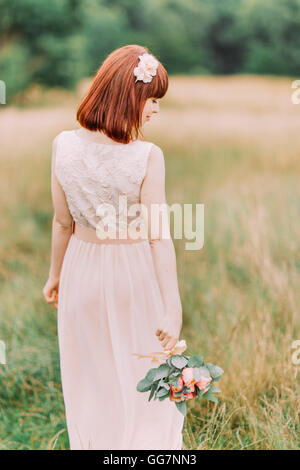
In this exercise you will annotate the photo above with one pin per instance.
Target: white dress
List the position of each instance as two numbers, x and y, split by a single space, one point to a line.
109 307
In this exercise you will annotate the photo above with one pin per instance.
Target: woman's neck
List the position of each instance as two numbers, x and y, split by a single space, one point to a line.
96 136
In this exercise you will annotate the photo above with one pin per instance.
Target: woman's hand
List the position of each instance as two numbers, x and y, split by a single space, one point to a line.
169 332
50 291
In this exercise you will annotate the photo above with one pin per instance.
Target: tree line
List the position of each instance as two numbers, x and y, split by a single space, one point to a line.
58 42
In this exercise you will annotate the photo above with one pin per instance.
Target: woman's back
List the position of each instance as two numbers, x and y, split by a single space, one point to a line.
93 173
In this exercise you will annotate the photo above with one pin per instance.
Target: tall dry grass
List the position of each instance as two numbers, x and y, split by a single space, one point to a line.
231 143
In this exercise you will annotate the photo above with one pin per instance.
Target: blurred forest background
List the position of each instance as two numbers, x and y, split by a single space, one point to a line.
58 42
230 136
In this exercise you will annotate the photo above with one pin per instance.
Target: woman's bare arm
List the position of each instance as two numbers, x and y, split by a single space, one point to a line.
62 224
163 251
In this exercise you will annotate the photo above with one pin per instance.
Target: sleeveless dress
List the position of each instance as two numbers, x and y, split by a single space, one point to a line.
109 306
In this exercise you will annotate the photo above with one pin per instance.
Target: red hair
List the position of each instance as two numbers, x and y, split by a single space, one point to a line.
114 103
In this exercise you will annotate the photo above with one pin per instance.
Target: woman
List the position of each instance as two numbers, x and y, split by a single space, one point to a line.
117 296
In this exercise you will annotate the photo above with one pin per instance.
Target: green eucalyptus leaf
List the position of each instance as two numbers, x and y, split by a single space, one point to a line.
185 357
175 373
161 383
195 361
209 396
153 388
143 385
163 398
161 372
162 392
196 373
215 371
174 381
169 361
150 376
178 361
204 371
216 379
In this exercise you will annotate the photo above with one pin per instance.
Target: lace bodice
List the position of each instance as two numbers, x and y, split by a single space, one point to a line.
92 174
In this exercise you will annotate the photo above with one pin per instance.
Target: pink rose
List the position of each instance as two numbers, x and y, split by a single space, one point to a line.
188 376
180 387
203 383
189 396
173 397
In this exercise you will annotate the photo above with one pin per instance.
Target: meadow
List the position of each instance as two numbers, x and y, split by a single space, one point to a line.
231 143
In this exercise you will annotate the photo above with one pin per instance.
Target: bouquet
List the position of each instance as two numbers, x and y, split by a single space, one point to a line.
180 377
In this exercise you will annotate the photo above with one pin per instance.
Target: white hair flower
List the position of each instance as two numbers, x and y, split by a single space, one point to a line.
146 68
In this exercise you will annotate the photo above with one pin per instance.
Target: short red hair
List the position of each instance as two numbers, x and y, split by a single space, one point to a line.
114 103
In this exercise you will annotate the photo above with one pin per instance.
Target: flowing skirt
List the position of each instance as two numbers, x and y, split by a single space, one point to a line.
109 307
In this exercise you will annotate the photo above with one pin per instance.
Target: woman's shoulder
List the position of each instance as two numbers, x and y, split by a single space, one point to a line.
152 146
63 133
62 142
147 142
155 157
155 151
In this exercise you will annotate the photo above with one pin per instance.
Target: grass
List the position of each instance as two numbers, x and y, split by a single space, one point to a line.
231 143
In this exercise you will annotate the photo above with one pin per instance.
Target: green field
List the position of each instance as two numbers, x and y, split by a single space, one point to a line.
231 143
